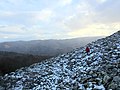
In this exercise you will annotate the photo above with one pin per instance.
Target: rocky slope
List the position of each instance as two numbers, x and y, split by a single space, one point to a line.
100 70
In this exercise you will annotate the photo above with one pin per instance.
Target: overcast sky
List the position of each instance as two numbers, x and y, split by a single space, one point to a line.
57 19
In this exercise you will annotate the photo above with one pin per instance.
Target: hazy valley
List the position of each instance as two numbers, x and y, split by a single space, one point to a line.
46 47
14 55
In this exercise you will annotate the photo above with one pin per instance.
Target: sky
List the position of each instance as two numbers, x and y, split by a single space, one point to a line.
57 19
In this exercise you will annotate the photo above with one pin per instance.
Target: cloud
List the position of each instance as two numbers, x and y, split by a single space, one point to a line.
13 18
86 14
101 1
9 36
11 29
82 17
65 2
95 30
43 15
109 14
4 14
15 2
44 19
24 33
27 18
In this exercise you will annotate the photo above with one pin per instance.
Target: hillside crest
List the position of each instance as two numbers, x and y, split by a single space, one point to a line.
100 70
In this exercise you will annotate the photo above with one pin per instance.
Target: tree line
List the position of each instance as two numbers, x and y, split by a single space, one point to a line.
10 61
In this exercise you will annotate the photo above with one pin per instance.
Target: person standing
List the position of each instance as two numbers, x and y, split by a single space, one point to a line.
87 50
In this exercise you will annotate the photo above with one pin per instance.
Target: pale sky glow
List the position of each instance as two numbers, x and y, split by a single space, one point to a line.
57 19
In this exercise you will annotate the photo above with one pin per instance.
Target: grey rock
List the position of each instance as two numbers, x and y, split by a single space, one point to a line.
106 78
2 88
113 86
116 80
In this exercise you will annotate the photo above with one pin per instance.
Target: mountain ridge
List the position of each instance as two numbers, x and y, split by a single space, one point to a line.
46 47
100 70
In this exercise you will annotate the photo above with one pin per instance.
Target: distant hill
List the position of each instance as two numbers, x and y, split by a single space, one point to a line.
46 47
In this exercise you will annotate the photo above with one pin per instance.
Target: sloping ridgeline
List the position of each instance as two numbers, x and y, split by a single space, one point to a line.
100 70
